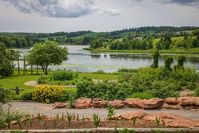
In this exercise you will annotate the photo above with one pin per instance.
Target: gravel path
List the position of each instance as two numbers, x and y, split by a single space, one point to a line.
34 108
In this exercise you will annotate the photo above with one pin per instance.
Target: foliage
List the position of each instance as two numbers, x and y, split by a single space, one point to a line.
27 94
181 60
164 89
69 117
62 75
142 95
111 112
3 96
48 94
155 56
197 91
145 83
105 90
167 64
16 41
47 53
6 67
127 70
96 120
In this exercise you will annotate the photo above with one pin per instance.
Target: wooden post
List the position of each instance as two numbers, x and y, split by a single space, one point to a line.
37 70
31 69
24 65
18 67
17 90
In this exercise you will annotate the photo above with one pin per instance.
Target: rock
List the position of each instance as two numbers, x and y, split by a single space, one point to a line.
133 102
149 117
171 106
82 103
131 115
99 103
116 104
175 121
59 105
172 100
154 103
189 101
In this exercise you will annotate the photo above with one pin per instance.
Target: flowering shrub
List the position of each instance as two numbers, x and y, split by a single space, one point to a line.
48 94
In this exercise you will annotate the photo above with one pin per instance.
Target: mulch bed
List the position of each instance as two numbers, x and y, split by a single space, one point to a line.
77 124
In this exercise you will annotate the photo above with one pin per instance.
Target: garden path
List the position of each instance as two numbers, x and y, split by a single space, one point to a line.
47 109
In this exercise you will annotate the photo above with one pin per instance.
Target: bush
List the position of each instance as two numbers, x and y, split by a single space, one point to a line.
127 70
42 79
27 94
105 90
197 91
142 95
63 75
48 94
163 89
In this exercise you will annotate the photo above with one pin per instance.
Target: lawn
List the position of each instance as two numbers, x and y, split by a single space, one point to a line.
13 81
19 80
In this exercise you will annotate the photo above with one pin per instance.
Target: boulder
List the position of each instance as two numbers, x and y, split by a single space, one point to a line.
189 101
172 100
175 121
59 105
133 102
171 106
82 103
116 104
154 103
131 115
99 103
149 117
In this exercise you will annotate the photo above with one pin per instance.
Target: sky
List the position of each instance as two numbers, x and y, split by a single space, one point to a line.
95 15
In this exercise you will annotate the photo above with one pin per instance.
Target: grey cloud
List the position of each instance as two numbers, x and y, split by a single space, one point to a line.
184 2
180 2
60 8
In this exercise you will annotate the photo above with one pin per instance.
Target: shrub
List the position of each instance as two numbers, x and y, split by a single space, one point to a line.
27 94
105 90
163 89
96 120
3 95
197 91
63 75
142 95
47 93
127 70
42 79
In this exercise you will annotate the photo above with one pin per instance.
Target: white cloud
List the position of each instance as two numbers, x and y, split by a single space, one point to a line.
61 8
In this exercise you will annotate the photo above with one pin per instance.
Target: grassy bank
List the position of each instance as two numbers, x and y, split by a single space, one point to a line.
190 51
19 80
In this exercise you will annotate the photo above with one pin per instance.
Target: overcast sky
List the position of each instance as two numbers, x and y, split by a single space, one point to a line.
95 15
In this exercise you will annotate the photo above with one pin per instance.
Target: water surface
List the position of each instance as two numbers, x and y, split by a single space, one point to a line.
85 61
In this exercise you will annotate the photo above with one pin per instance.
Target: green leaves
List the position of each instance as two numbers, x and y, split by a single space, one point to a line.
47 53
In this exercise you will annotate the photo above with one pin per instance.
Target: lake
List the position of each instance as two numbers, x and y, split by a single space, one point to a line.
85 61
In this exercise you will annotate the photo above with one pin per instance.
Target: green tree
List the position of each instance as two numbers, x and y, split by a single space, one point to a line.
96 43
6 67
47 53
181 60
155 56
167 63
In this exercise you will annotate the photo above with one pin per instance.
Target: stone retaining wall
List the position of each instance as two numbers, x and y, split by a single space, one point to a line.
154 103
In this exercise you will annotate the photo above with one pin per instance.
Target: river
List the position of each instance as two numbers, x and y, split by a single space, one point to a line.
85 61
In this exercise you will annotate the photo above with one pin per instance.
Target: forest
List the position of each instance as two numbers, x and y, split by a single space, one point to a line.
163 37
